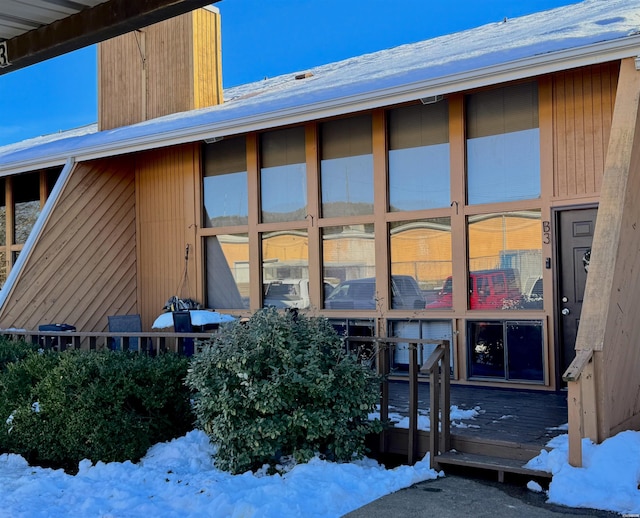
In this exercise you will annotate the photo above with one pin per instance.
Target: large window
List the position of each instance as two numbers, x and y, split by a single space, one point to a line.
283 176
419 157
348 261
285 269
228 271
503 145
346 167
505 261
420 263
225 183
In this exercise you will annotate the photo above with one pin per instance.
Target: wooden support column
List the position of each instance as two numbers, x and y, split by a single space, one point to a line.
604 320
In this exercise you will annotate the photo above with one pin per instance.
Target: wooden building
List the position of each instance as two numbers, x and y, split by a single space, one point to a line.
436 190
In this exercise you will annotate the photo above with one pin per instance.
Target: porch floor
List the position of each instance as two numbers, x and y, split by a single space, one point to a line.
520 416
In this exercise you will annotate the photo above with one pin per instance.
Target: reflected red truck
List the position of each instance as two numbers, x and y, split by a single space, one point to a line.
488 289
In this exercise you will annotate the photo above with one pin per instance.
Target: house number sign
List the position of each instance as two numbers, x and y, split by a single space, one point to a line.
4 55
546 232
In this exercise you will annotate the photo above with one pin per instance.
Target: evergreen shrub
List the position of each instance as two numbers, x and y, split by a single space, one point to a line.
60 408
280 386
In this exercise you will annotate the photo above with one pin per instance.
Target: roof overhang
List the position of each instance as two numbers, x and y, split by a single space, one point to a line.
460 82
30 35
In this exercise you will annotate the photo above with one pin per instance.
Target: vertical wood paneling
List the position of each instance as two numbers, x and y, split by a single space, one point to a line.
583 107
120 81
207 59
165 181
169 67
82 268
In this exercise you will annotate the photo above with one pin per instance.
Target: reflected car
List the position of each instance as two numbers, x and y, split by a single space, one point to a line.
290 293
361 294
488 289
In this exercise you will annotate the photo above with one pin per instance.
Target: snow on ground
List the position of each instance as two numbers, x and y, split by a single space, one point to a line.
609 477
177 479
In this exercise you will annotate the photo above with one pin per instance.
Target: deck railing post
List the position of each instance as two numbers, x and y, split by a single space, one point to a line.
434 414
382 366
445 439
413 403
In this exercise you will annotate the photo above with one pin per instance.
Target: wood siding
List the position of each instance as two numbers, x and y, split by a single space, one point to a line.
83 267
120 81
169 67
583 102
167 211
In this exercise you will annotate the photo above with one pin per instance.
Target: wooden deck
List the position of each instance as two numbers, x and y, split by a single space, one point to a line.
511 426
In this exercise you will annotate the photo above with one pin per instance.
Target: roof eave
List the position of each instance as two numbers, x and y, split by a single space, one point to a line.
468 80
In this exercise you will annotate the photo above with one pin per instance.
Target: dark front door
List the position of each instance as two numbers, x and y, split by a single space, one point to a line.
575 234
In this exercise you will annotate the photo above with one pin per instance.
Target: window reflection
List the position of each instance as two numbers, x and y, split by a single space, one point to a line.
225 183
283 176
419 157
348 262
503 145
346 167
228 271
505 261
285 269
420 262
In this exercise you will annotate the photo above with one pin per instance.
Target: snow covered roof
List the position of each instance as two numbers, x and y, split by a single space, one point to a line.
593 31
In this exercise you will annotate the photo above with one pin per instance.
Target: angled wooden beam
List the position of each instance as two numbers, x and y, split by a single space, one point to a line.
90 26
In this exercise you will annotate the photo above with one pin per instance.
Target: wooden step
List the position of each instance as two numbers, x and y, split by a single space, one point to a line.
487 462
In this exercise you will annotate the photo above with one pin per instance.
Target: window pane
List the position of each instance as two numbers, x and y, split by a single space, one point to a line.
503 145
352 328
285 269
228 271
420 263
26 192
486 349
225 183
283 177
419 157
505 261
524 350
425 329
348 256
346 168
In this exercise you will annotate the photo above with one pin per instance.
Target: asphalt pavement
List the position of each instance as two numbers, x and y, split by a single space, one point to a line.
462 496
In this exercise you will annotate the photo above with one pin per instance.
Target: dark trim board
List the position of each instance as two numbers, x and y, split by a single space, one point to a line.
99 23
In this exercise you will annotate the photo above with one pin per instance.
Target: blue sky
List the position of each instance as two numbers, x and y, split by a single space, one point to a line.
259 39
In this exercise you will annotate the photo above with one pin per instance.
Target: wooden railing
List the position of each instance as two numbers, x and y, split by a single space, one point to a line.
150 342
581 402
437 368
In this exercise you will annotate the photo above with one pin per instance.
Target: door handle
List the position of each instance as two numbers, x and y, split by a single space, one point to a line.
565 311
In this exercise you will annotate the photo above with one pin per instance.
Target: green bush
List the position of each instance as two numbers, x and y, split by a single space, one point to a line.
11 351
107 406
281 385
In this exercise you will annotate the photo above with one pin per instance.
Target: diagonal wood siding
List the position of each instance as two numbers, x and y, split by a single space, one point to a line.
583 101
83 267
166 199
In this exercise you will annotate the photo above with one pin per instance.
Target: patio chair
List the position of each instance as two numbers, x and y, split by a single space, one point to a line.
126 324
182 324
